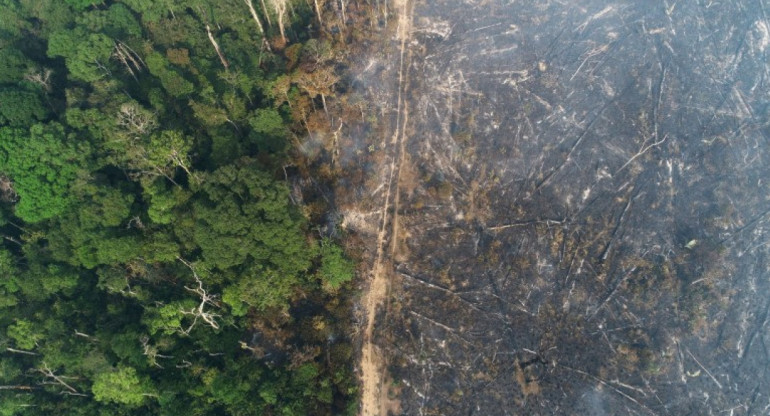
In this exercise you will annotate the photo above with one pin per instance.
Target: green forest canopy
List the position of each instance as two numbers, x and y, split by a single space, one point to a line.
152 260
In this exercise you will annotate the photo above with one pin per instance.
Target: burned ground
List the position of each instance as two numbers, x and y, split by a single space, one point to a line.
584 205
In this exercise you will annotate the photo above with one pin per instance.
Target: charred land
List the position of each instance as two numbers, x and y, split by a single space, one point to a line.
564 207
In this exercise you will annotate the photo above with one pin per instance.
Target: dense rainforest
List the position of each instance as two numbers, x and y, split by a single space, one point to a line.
155 258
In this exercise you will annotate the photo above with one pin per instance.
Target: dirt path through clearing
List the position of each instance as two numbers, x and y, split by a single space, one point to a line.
374 398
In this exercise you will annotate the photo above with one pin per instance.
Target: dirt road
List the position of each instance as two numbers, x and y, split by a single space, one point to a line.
374 399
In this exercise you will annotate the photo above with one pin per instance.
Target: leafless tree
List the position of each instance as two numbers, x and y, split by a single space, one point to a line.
342 9
42 78
255 16
318 12
151 352
52 378
135 120
280 11
266 12
216 48
207 300
180 159
128 57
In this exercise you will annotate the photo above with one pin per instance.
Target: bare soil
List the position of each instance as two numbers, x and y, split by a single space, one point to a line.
374 397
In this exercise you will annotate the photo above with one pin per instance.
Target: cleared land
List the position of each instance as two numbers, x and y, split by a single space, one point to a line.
585 193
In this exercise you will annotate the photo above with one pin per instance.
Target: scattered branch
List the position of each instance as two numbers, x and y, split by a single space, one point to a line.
548 222
609 385
642 151
704 369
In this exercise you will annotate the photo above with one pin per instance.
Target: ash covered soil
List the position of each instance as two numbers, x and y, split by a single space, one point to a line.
583 206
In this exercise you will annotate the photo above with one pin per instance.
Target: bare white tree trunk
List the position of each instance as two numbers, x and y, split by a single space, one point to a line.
13 350
318 12
41 78
267 13
201 311
280 10
255 17
323 100
216 47
259 23
58 380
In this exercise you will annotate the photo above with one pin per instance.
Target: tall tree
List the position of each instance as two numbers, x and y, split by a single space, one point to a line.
122 385
86 54
41 163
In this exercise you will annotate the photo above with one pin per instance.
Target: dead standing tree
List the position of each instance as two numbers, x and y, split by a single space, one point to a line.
318 12
128 57
255 16
52 378
151 352
216 48
342 9
135 120
207 299
267 14
280 11
41 78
